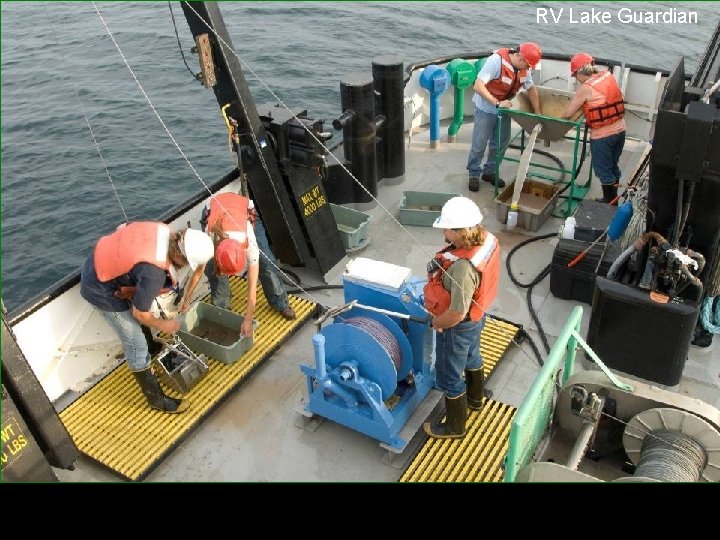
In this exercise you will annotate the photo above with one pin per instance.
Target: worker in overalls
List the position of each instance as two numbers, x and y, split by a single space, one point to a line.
121 278
601 101
502 76
462 284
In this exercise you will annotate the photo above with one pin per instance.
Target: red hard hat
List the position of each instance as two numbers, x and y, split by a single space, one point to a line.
578 61
531 52
230 257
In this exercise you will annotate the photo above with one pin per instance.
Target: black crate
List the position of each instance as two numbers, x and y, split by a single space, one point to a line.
640 333
578 282
591 219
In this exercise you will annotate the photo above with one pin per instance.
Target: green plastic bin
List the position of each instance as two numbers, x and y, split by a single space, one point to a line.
422 207
353 227
215 332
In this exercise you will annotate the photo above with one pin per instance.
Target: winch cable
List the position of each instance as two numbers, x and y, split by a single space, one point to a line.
666 455
87 121
670 456
340 164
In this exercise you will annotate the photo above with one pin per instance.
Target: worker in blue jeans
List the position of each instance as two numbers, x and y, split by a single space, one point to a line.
505 72
270 280
269 274
462 284
602 103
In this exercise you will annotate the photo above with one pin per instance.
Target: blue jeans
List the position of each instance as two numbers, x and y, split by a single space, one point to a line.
606 156
219 286
457 349
269 276
130 333
485 131
270 280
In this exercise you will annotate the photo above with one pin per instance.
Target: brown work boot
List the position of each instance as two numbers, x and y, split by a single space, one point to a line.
288 313
490 179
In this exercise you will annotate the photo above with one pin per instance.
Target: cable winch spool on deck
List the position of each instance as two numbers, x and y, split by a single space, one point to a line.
380 334
671 445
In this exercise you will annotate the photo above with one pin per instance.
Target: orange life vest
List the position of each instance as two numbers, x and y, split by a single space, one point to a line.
229 214
485 259
510 80
606 105
137 242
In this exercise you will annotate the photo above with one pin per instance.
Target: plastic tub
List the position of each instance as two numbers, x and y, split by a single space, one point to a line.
353 227
422 207
215 332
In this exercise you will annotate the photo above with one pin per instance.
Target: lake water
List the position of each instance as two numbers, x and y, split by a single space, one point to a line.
57 198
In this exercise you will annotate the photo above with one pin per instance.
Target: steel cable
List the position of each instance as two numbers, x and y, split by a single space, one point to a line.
670 456
380 334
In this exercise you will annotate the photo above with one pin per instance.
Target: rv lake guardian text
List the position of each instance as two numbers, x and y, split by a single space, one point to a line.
623 15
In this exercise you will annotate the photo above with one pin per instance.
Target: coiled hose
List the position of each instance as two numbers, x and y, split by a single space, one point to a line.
529 286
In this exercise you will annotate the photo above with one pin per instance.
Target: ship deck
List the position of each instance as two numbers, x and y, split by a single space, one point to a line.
257 433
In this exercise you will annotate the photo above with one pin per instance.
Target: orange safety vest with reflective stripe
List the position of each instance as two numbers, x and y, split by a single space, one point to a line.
229 214
485 259
606 106
510 80
141 241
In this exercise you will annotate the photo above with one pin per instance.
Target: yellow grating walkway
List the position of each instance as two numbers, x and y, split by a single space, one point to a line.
494 341
113 424
478 456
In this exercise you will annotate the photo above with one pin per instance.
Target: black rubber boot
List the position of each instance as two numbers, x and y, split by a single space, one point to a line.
453 427
153 346
475 383
154 394
609 193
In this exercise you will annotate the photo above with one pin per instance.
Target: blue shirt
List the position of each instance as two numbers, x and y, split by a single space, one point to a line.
489 72
148 278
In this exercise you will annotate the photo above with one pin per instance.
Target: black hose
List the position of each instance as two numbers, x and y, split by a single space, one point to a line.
293 275
529 286
526 335
314 288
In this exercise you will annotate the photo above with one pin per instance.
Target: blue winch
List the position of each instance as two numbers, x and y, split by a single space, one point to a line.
376 362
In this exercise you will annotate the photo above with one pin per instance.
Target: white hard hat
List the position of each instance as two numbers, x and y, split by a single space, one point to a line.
459 213
197 247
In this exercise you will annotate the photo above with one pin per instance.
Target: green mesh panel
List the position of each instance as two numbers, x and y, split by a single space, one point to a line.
535 413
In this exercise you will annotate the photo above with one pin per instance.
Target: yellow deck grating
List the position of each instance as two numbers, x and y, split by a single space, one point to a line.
478 456
494 341
113 424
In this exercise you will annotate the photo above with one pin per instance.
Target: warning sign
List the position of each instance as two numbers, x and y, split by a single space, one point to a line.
312 200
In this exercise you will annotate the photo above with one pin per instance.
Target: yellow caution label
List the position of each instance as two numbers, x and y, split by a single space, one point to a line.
14 442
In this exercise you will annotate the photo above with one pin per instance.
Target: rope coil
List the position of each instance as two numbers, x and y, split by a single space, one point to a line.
670 456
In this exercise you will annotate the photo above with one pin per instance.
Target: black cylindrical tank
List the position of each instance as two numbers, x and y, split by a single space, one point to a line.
388 82
358 122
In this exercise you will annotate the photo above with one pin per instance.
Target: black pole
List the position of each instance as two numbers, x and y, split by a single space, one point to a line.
358 123
388 82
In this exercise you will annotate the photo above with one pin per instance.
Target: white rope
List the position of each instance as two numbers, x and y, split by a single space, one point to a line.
710 91
87 121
